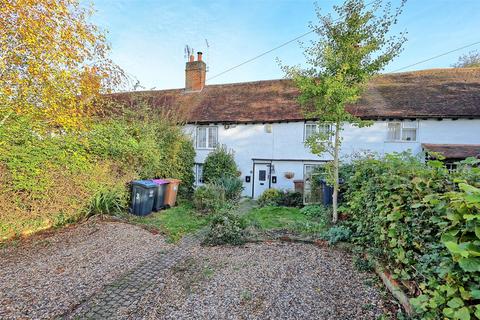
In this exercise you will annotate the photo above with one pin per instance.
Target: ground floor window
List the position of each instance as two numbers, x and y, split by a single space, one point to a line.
312 172
199 174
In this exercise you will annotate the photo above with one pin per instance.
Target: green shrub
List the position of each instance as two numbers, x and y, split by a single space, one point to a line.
49 177
321 212
226 228
110 201
218 164
421 221
270 197
291 199
232 186
209 198
336 234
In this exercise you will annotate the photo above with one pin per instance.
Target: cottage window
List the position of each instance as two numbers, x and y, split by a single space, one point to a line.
312 128
402 131
207 137
199 174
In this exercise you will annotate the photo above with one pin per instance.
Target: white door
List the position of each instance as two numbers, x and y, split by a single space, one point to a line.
262 179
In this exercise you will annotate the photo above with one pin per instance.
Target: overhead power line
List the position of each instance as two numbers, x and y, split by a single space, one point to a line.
437 56
271 50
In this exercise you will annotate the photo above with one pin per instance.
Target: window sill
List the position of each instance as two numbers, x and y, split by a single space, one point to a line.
205 148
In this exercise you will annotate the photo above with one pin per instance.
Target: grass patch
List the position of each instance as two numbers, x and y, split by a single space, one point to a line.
174 222
284 218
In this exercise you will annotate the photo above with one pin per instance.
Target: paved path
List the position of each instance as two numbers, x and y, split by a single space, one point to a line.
119 298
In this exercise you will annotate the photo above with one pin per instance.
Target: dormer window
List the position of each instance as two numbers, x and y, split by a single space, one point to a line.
207 137
402 131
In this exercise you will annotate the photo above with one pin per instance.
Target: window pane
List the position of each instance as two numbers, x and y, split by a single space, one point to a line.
202 137
409 134
262 174
310 129
212 137
199 173
394 131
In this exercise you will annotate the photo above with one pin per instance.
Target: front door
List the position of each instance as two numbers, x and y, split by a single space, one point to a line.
262 179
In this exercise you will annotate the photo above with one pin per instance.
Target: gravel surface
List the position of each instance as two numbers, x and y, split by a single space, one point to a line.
49 275
263 281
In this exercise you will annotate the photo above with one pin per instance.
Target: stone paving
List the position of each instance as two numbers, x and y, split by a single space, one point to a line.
113 301
118 299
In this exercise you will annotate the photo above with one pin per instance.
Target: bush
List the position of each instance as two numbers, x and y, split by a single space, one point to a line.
232 186
109 201
336 234
226 228
419 218
291 199
49 178
209 198
218 164
270 197
323 213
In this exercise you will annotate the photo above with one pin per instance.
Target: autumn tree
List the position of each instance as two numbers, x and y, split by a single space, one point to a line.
468 60
345 54
53 61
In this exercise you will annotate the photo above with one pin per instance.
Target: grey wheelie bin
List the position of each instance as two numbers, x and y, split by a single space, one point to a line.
159 202
143 196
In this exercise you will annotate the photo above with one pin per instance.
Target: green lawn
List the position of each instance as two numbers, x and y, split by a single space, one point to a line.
174 222
283 218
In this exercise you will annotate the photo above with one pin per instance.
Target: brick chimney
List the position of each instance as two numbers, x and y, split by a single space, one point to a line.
195 72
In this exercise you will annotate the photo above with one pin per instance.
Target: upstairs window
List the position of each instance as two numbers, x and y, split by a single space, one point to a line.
402 131
207 137
312 128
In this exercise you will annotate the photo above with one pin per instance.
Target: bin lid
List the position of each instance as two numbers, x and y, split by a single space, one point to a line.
160 181
173 180
144 183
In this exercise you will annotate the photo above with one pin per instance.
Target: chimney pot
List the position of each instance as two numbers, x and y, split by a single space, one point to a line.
195 72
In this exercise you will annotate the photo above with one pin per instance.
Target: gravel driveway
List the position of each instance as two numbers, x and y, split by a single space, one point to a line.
264 281
50 275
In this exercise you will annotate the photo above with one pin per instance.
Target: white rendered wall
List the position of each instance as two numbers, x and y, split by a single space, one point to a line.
285 148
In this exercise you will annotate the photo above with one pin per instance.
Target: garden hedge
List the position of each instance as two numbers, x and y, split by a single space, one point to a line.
423 223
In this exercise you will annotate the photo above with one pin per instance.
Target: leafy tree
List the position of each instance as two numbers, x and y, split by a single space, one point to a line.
345 55
468 60
219 163
53 61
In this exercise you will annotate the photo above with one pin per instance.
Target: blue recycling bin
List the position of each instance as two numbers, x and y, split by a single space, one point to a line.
143 197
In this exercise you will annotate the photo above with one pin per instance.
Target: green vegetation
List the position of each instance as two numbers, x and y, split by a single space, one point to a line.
50 177
423 223
219 163
226 228
174 222
345 53
209 198
284 219
285 198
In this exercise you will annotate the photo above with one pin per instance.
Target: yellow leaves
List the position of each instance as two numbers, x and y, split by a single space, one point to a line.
50 62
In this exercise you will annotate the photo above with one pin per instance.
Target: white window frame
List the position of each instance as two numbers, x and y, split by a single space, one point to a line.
316 125
209 130
404 126
199 174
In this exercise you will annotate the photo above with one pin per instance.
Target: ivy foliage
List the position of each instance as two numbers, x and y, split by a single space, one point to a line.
423 222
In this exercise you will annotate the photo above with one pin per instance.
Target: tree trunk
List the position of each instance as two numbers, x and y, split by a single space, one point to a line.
336 184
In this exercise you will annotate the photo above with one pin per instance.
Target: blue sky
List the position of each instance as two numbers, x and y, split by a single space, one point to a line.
148 36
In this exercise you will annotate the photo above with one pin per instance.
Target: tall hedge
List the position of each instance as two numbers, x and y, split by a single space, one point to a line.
50 177
423 223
